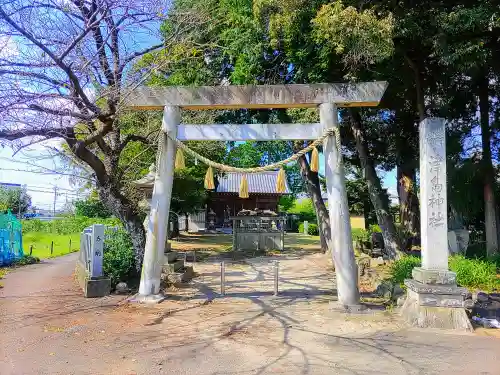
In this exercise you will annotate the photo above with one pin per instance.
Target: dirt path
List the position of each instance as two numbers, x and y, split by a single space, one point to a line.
46 327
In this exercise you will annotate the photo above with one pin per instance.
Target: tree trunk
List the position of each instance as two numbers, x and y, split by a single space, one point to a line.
379 201
419 87
490 214
311 180
408 200
123 209
409 210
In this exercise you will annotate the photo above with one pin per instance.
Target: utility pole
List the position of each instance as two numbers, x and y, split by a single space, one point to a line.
55 198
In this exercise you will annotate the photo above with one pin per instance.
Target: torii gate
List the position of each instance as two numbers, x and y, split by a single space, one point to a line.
325 96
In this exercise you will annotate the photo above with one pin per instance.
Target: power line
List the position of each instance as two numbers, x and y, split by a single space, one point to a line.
47 173
51 186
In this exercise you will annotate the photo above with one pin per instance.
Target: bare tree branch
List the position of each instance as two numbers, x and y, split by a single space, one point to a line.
65 74
135 55
72 76
135 138
11 135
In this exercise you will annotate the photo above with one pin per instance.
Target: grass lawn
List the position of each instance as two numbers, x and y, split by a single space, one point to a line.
224 242
3 271
41 244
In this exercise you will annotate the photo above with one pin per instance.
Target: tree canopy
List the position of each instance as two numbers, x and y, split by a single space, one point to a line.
77 61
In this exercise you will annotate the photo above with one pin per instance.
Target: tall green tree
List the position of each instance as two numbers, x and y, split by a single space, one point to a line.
15 200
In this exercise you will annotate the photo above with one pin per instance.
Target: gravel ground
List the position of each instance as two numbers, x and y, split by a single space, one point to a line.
47 327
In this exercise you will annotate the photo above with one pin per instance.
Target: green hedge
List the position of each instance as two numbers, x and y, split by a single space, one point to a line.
67 225
475 273
312 229
401 268
118 258
471 273
360 235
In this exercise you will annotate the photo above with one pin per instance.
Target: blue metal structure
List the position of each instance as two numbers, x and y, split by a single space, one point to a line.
11 239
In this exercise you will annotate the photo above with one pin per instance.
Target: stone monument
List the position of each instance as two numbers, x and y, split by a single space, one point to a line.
434 299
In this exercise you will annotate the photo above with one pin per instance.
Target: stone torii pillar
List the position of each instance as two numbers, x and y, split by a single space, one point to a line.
342 250
434 299
156 230
326 96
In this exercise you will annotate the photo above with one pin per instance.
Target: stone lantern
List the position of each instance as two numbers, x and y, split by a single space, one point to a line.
146 184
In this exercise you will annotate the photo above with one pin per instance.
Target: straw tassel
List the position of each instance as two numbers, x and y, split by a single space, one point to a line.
179 159
244 187
280 181
209 179
315 160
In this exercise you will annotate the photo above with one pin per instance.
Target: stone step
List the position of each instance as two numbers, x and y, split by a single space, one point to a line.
174 266
171 256
184 275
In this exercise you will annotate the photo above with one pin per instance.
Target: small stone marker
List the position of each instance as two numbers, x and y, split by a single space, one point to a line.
97 241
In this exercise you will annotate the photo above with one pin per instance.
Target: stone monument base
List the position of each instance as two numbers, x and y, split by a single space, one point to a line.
92 287
435 305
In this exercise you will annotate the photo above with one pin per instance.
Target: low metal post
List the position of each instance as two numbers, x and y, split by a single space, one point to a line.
31 250
51 247
70 245
276 276
222 278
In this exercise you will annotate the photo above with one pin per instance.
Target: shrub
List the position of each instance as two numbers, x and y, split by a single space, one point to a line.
92 208
401 268
496 259
312 229
374 228
361 239
304 209
118 259
471 273
475 273
360 235
25 260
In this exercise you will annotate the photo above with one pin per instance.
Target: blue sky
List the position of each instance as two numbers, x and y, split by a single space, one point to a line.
40 186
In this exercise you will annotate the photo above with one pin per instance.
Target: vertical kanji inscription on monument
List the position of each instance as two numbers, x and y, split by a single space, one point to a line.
433 225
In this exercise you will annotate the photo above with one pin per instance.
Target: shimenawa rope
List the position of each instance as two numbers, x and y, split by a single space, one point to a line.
270 167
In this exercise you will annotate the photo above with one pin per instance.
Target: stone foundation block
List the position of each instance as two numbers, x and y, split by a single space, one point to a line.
171 256
92 287
435 306
432 277
173 267
436 295
435 317
98 287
